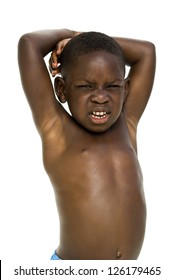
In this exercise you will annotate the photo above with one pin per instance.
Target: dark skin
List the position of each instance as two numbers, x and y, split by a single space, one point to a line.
91 156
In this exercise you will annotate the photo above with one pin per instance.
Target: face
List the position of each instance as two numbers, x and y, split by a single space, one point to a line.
95 90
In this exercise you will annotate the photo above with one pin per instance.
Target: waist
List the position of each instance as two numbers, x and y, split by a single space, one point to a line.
100 246
109 234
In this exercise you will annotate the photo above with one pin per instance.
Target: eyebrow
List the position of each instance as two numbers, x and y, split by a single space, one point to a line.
93 82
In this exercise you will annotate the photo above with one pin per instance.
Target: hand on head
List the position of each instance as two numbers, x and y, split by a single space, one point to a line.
53 61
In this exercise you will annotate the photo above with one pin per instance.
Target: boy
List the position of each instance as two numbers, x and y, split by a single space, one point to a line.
91 155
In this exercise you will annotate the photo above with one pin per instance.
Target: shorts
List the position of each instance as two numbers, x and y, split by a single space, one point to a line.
55 256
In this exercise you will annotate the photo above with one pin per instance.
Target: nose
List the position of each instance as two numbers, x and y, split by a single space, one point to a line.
100 96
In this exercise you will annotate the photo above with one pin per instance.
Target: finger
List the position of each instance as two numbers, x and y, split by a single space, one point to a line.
54 59
59 48
56 71
52 69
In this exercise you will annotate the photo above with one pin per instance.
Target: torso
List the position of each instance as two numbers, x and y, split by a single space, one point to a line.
98 187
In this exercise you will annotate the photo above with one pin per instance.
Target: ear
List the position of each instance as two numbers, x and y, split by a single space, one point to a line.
59 86
126 88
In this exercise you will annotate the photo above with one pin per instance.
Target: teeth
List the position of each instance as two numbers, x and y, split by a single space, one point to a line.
99 114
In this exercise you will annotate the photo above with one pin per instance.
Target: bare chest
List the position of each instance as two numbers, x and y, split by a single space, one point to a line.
95 162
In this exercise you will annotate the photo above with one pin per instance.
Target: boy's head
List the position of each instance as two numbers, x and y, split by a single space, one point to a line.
92 68
86 43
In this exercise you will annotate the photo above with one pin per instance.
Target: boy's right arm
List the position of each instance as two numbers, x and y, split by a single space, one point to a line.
32 49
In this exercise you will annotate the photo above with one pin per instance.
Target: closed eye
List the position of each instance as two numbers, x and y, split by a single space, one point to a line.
113 86
84 86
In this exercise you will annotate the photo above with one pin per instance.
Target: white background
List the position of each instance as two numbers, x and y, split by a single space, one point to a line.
29 227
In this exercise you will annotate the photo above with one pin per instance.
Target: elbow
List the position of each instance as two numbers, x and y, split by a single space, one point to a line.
149 49
24 40
148 52
22 48
26 45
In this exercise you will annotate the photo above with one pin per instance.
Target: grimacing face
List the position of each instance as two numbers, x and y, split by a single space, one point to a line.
95 90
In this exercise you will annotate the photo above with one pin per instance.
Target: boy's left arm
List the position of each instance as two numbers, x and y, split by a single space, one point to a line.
141 57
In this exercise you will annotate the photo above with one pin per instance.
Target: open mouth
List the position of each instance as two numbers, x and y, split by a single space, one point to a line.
99 115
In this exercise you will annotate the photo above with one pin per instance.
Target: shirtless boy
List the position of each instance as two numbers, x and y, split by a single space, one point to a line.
91 155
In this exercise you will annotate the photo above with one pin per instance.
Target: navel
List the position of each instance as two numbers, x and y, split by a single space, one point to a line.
84 150
119 254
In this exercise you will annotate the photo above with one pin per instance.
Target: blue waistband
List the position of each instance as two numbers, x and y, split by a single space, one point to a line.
55 256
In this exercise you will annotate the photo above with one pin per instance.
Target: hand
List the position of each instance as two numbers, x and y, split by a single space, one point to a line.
53 61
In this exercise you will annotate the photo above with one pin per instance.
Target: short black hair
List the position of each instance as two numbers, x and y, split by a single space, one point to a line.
88 42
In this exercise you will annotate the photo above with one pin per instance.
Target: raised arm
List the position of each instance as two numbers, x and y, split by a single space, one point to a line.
140 56
37 85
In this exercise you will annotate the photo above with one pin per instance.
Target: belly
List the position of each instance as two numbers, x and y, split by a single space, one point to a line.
103 220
